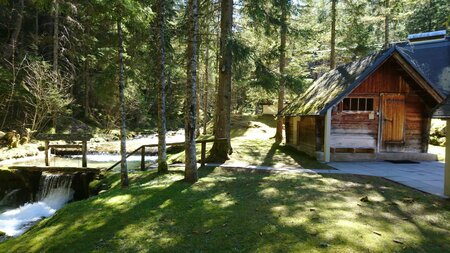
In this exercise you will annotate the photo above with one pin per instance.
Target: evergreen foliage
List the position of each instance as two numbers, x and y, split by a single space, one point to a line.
86 52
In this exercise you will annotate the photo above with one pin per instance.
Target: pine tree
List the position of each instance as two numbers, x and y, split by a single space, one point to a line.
222 115
123 131
190 173
333 35
282 65
161 61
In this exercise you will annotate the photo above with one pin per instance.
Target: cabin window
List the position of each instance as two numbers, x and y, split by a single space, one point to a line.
357 104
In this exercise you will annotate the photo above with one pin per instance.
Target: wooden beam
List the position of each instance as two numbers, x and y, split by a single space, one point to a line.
168 144
294 130
84 154
327 135
54 169
426 134
77 146
182 143
47 163
143 158
66 137
447 161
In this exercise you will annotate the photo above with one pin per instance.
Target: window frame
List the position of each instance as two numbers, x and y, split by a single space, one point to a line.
350 108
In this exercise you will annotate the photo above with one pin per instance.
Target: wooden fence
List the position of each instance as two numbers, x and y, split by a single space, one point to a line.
142 149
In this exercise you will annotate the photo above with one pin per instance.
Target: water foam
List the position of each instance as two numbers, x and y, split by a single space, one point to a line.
54 192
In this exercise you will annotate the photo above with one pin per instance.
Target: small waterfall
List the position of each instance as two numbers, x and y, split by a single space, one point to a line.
54 192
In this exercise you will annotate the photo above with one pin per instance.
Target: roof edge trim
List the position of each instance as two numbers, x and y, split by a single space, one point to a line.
366 73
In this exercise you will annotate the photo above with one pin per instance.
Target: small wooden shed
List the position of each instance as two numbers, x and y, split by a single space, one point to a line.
376 108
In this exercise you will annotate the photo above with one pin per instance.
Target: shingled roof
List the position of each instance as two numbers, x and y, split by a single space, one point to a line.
431 60
443 110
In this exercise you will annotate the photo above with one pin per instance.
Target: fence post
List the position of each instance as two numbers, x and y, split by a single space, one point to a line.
46 154
143 158
84 153
203 152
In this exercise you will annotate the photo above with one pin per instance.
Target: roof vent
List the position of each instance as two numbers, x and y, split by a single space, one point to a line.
427 37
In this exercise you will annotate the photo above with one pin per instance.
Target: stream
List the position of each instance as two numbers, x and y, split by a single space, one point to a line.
54 192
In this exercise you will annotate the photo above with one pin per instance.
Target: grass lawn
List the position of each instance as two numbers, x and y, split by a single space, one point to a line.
227 211
253 144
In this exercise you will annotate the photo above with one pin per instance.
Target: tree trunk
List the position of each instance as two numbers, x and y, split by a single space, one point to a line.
123 131
36 31
198 103
161 61
86 90
190 172
333 35
206 85
386 23
12 46
282 65
11 52
222 114
55 34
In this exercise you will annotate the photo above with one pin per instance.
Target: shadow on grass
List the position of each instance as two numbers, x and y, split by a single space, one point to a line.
279 154
245 212
268 159
302 159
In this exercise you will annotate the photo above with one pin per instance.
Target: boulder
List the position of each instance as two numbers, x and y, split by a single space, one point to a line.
24 140
12 139
2 135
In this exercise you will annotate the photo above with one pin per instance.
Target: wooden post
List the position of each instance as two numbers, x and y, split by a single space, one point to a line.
447 161
47 163
203 154
294 130
143 158
327 136
426 135
84 154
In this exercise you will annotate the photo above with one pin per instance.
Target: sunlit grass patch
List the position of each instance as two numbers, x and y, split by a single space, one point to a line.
227 211
253 143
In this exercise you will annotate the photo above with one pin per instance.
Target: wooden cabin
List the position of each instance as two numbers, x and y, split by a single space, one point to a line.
376 108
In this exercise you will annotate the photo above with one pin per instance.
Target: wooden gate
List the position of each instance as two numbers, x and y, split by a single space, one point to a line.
393 106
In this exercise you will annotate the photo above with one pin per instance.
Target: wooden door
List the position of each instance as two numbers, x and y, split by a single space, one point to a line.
393 106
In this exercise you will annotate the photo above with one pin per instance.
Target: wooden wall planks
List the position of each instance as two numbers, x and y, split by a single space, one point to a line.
361 130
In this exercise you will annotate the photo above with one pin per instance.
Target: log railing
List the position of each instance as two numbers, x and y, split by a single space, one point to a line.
142 149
